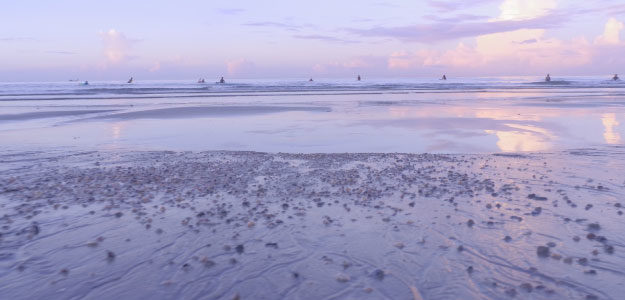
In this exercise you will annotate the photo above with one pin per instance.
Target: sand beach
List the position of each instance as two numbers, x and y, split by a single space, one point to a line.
472 191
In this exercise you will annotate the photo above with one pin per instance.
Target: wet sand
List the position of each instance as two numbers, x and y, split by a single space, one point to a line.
209 111
440 121
49 114
248 225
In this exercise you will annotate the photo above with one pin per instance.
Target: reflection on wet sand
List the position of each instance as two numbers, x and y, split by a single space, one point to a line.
509 125
611 134
526 138
531 138
508 114
116 130
513 141
524 128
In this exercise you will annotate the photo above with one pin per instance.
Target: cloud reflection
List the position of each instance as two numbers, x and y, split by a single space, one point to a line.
611 134
517 141
526 138
516 130
116 130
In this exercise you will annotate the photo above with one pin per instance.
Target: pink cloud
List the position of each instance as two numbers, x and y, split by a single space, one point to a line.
240 67
511 53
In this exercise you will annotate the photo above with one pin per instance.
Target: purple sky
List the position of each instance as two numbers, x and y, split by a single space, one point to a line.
159 39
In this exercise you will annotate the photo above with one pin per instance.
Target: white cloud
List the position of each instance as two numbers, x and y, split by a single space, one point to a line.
116 46
526 9
612 33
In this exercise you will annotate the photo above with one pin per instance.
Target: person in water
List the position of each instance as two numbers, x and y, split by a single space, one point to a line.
310 80
444 77
86 82
358 78
130 80
615 78
548 78
222 80
201 80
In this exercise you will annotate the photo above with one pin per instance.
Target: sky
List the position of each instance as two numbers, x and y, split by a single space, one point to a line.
164 39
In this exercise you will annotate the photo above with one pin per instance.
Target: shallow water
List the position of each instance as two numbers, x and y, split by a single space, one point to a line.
467 115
